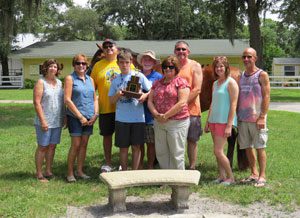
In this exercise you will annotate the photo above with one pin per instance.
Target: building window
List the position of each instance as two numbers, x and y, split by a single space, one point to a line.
34 69
289 70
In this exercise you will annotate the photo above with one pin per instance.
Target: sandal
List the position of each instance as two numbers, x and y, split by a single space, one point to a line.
250 179
49 177
42 179
260 183
218 181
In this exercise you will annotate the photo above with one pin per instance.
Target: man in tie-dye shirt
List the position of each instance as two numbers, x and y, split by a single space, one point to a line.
253 104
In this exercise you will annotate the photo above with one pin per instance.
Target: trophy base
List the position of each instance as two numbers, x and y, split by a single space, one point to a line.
130 94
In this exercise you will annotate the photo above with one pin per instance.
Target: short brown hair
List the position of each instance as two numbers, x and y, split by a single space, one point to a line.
124 54
223 60
171 60
77 56
49 62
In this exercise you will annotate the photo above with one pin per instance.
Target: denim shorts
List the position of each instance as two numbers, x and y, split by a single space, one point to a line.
49 137
76 129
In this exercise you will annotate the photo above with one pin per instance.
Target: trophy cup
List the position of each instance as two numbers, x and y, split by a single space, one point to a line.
133 88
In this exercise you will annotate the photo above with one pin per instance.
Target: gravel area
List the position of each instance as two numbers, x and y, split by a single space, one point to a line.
160 206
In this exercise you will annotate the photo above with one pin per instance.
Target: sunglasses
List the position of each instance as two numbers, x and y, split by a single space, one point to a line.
108 46
170 67
246 56
180 49
80 63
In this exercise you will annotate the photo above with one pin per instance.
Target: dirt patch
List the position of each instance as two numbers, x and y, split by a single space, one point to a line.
160 206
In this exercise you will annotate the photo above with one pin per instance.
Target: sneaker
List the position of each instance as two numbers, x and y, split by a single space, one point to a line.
227 182
218 181
106 169
71 179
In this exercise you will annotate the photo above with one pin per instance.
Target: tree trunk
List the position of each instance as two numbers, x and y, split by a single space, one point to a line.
254 30
5 71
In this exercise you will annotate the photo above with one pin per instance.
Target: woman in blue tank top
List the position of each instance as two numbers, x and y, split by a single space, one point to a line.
222 116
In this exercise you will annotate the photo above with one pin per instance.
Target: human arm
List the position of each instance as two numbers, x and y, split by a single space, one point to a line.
196 82
96 106
265 90
233 91
183 95
37 98
69 103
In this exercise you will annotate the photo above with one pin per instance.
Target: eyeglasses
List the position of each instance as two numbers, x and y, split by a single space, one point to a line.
107 46
170 67
246 56
80 63
180 49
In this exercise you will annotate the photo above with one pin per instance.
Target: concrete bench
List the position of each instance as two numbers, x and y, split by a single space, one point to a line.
179 180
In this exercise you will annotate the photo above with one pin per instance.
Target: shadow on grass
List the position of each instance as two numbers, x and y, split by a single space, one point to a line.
136 206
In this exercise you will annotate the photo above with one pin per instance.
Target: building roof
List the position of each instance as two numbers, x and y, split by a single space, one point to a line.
200 47
286 61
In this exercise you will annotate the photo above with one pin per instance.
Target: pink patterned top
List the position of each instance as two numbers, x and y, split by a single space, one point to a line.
165 96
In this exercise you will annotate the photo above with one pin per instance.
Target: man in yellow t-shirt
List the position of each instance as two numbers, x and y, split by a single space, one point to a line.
104 71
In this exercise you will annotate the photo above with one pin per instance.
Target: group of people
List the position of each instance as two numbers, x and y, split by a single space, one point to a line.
166 114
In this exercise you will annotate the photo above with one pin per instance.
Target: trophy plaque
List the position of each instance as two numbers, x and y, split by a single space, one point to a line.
133 88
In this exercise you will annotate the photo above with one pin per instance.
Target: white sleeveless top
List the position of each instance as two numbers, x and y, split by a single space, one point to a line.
53 104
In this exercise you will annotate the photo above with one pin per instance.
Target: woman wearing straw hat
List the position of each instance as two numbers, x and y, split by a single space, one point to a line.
148 61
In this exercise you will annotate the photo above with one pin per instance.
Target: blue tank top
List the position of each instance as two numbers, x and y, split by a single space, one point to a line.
83 96
220 105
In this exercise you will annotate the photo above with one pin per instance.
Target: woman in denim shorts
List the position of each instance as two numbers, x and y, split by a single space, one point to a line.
82 112
48 103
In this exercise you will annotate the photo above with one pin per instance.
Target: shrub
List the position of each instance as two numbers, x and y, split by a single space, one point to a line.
29 83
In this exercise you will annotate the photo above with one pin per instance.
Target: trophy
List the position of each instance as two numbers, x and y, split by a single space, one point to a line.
133 88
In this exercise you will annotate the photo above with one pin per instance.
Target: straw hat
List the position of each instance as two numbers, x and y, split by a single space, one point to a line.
149 53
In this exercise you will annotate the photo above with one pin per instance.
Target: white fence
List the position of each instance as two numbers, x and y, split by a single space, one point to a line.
285 82
11 82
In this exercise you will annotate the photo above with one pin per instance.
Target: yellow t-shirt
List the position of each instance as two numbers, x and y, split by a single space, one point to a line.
103 73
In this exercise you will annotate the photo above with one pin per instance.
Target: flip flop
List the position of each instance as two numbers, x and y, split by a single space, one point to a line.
260 183
49 177
42 179
249 179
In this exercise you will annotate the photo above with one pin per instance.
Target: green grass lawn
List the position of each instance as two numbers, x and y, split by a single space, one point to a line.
21 195
277 95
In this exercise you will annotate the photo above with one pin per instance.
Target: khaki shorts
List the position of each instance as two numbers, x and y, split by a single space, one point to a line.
251 137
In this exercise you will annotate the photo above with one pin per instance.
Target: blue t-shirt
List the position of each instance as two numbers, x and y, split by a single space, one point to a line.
129 110
83 96
152 77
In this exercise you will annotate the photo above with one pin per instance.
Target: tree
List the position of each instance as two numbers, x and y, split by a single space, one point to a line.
290 15
163 19
12 12
250 9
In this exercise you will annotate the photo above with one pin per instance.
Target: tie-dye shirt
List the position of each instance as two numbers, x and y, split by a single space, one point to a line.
250 97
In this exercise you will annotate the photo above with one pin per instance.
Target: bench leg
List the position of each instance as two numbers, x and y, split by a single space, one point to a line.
117 199
180 196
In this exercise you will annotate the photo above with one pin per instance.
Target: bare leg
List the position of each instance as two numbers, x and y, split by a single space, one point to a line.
82 154
252 161
74 149
192 154
40 154
107 146
49 159
150 155
136 156
223 161
262 161
141 165
124 158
